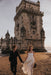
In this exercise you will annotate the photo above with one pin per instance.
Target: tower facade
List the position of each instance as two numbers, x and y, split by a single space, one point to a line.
28 25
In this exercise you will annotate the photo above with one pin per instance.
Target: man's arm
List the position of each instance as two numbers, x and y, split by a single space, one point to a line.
19 57
10 57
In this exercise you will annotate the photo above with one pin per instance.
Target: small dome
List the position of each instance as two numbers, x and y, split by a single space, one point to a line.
7 34
38 1
11 37
42 30
1 38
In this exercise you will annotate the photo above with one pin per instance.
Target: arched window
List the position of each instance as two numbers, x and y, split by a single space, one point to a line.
33 32
17 27
23 32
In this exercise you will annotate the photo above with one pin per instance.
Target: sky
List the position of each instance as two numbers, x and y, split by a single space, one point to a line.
8 11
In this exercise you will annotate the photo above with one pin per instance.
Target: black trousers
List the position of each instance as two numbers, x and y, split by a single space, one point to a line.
13 68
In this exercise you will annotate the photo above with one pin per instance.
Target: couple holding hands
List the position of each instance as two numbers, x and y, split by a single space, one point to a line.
28 64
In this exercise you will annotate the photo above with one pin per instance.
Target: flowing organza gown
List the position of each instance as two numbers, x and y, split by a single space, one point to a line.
28 64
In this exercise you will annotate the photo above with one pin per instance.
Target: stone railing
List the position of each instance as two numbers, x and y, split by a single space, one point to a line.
28 10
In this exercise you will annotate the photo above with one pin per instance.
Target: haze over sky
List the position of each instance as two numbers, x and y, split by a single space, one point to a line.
8 11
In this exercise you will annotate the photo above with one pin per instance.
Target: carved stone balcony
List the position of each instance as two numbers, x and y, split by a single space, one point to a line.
28 10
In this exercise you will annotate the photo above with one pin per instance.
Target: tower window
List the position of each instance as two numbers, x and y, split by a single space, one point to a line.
33 32
17 25
23 32
31 36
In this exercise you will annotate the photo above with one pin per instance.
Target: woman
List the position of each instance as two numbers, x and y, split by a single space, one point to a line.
29 62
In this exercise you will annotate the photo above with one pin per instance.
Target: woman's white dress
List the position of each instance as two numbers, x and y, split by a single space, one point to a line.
28 64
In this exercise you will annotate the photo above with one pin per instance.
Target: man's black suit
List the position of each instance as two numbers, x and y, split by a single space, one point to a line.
13 60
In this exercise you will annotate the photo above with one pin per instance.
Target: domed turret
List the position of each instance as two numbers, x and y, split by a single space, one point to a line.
38 2
7 36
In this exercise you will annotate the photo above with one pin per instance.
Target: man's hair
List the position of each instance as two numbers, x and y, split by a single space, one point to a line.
13 47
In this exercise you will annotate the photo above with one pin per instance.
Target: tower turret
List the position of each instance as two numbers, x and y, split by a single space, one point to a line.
7 36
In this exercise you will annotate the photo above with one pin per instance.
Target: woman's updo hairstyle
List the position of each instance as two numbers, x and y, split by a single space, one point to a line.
29 47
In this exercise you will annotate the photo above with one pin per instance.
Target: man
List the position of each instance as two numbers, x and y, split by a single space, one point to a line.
13 59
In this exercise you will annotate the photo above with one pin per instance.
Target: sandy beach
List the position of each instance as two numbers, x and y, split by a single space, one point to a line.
43 61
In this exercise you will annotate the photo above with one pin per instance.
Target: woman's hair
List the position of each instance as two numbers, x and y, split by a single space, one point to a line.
29 48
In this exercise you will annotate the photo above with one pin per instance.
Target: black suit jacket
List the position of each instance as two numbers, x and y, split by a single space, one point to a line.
13 57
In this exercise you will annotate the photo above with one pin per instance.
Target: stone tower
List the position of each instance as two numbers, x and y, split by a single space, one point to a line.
28 25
